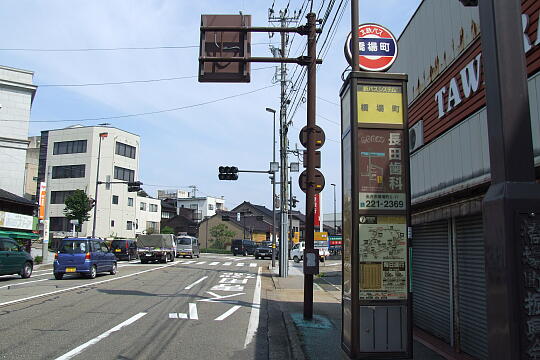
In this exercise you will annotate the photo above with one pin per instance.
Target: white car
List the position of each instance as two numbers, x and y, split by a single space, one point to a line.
297 251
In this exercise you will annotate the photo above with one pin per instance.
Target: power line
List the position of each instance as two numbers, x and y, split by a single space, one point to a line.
146 113
328 101
132 81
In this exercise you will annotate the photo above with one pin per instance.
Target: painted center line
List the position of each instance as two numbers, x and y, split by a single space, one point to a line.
195 283
227 313
22 283
95 340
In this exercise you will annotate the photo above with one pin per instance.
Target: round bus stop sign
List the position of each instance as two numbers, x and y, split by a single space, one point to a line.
377 47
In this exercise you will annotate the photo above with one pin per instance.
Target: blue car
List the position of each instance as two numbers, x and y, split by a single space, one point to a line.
83 256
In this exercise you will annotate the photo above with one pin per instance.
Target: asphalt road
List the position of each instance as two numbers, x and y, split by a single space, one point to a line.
205 308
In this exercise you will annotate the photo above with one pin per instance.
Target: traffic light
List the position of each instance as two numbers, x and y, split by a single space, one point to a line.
91 203
228 173
293 202
134 186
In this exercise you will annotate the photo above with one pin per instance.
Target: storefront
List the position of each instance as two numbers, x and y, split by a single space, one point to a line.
16 219
440 50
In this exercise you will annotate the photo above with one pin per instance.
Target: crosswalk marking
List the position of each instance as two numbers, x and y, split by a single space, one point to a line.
201 262
214 263
189 262
227 263
253 265
240 264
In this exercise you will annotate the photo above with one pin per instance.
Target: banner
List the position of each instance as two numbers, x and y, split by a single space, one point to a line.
317 219
42 199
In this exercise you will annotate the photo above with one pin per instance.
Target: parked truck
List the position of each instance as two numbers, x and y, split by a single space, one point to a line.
156 247
297 251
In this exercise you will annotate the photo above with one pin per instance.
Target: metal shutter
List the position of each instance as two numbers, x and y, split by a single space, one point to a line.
471 286
431 279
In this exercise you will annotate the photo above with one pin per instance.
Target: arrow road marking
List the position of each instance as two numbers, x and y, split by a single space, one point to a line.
195 283
219 298
227 313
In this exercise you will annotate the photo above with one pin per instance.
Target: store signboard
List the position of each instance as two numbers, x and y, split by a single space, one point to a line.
16 221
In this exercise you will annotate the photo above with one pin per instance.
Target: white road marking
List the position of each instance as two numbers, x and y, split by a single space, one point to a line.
82 286
95 340
227 313
201 262
193 311
182 316
22 283
255 309
189 262
253 265
318 286
219 298
227 263
173 315
240 264
195 283
214 263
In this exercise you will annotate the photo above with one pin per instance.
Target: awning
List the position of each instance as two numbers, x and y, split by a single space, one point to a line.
19 235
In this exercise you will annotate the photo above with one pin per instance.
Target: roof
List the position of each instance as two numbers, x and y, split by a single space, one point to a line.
10 197
260 208
249 222
166 206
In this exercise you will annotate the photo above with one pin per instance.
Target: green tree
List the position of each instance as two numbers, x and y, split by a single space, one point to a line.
150 231
167 230
221 235
78 207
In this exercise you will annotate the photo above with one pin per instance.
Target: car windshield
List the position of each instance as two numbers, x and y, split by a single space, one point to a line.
74 247
184 241
117 244
266 244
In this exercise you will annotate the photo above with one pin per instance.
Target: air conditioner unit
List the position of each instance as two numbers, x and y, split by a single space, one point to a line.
416 136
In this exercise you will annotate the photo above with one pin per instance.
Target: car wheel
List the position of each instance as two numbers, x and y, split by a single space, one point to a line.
114 269
58 276
26 271
244 253
144 261
296 259
256 257
322 259
198 256
234 254
163 260
93 272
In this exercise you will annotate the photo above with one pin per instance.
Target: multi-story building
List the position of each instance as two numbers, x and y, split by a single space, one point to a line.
203 206
148 213
31 168
69 160
16 96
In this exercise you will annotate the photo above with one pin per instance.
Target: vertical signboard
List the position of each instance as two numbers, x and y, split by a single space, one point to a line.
376 318
317 220
42 199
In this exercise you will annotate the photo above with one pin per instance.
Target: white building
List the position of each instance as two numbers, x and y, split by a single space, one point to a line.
16 96
204 206
69 161
148 215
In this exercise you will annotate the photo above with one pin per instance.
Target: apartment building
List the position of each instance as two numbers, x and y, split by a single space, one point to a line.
70 159
203 206
16 96
148 217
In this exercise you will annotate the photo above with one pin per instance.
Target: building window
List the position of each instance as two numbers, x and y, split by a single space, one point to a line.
68 171
194 206
129 225
219 206
115 199
153 207
124 174
152 225
59 197
112 223
125 150
210 207
143 206
69 147
60 223
130 201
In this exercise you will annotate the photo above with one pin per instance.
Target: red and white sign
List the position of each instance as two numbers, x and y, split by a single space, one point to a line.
42 199
377 47
317 220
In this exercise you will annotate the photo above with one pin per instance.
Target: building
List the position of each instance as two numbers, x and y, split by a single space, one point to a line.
333 221
204 206
440 50
16 96
148 214
31 168
69 161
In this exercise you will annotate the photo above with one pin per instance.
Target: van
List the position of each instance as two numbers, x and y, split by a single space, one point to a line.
125 249
187 246
243 247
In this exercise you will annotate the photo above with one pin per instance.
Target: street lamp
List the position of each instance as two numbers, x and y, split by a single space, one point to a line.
101 137
335 228
273 191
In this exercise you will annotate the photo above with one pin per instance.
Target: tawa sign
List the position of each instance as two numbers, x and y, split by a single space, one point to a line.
377 47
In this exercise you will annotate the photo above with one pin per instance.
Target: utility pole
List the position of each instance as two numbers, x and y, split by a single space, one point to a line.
101 137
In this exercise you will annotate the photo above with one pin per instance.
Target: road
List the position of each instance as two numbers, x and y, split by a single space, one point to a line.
205 308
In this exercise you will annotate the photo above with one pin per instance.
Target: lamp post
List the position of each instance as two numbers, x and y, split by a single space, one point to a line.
335 228
101 137
273 191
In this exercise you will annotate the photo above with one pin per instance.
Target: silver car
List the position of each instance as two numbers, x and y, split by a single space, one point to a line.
187 246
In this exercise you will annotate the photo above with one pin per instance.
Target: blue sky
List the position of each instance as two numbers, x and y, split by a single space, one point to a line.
184 147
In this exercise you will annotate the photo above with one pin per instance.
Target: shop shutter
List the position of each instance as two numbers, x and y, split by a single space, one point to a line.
431 280
471 286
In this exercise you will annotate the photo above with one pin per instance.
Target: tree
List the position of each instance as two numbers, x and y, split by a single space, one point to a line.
221 235
150 231
167 230
78 207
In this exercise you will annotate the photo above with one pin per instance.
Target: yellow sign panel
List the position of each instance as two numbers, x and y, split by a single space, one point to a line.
259 237
321 236
296 238
380 104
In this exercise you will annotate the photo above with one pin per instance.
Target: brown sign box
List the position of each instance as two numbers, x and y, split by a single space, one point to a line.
317 159
233 44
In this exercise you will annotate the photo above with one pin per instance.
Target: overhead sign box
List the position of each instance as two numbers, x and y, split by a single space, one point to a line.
228 44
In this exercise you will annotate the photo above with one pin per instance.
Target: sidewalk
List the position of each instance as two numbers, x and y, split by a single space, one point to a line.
36 250
319 339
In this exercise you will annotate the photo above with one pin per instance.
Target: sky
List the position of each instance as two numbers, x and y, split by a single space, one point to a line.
183 147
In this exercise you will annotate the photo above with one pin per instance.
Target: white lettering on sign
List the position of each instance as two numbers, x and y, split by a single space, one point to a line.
526 39
470 81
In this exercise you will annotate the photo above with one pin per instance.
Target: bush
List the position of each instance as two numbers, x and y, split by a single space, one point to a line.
38 259
215 251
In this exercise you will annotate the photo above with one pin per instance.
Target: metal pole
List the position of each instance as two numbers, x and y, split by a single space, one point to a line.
290 216
354 30
96 193
335 227
273 191
283 264
310 188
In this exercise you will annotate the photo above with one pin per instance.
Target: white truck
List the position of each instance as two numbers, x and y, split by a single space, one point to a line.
156 247
297 251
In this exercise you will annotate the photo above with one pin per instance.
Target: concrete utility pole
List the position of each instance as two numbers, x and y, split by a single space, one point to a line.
101 137
273 177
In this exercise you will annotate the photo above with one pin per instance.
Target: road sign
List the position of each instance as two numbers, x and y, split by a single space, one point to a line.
377 47
319 137
318 181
